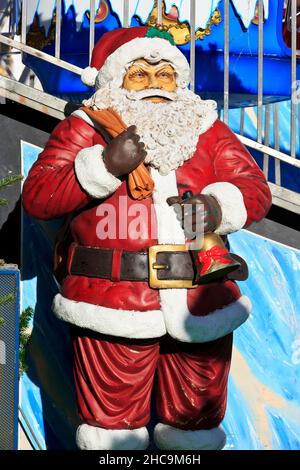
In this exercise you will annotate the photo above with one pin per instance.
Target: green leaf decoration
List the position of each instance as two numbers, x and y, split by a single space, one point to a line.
156 33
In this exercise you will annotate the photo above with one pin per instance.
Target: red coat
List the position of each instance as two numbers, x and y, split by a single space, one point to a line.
221 166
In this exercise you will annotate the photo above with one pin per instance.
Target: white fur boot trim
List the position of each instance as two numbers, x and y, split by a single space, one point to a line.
169 438
94 438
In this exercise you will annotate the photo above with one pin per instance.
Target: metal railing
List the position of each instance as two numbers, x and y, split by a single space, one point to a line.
282 196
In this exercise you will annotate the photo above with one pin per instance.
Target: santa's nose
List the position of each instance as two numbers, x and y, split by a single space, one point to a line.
153 83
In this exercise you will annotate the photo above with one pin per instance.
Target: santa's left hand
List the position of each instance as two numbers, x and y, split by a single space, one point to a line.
199 212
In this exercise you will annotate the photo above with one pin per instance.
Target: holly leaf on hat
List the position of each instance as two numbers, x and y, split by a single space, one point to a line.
157 33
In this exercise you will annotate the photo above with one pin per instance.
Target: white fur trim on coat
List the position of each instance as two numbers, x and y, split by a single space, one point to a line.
124 323
169 438
180 323
116 65
92 173
174 316
230 198
94 438
188 328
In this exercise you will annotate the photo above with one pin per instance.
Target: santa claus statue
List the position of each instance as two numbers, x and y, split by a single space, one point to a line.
139 324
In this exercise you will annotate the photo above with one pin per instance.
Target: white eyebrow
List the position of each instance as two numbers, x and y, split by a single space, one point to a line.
141 64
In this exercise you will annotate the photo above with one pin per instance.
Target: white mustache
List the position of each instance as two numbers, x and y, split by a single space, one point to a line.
150 93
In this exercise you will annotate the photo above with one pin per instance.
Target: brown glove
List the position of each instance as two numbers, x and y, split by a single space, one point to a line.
124 153
198 207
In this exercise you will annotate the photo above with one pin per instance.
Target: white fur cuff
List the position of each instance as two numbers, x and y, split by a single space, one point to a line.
170 438
188 328
94 438
92 173
109 321
230 198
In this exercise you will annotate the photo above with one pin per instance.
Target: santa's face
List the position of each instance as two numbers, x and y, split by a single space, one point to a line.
142 75
168 116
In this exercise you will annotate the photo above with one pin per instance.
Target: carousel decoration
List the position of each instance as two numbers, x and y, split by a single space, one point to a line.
101 13
181 30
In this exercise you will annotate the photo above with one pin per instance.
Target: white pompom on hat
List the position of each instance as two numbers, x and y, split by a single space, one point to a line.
89 75
118 48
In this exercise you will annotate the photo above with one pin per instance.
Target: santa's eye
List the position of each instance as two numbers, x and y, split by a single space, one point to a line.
164 74
137 74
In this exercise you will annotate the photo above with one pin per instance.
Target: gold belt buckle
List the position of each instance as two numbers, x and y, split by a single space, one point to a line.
156 283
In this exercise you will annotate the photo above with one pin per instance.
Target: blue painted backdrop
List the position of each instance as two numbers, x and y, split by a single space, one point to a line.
264 388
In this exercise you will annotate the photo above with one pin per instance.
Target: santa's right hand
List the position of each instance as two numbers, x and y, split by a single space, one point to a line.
124 153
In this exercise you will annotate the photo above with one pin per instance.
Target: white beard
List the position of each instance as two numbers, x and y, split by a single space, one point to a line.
169 130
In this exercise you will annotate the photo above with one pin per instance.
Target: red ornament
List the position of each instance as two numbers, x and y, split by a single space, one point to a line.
214 254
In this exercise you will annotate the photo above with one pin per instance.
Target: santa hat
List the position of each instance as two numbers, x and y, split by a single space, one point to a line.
117 49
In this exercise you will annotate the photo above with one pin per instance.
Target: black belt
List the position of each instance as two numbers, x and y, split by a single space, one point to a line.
168 262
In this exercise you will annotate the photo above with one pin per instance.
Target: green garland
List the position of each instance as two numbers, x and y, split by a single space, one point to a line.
7 181
25 319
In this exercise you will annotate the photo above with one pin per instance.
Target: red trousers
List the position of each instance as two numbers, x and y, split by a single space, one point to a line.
115 377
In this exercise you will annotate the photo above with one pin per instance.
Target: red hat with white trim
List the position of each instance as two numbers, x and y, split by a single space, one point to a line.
118 49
